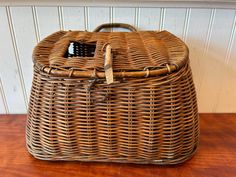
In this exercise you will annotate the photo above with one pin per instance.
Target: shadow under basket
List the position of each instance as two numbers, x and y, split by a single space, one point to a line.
124 97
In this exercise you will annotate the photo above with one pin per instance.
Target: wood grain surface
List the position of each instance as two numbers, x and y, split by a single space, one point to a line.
216 156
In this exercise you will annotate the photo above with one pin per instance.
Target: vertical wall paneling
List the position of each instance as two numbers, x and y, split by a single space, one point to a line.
111 15
215 64
74 18
36 24
9 66
206 46
149 18
3 102
61 17
97 16
25 40
2 106
123 15
174 20
227 95
86 18
231 40
196 39
16 52
48 20
162 18
186 24
209 34
137 17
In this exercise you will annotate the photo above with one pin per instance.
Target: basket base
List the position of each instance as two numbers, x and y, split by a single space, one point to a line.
172 161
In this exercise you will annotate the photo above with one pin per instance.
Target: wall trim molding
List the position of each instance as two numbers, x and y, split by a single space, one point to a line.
228 4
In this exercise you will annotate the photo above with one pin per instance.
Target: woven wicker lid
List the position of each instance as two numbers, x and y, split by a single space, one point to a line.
134 54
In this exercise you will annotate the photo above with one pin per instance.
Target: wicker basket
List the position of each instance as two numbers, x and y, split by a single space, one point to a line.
113 97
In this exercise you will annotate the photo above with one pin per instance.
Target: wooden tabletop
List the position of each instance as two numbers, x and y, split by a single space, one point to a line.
216 156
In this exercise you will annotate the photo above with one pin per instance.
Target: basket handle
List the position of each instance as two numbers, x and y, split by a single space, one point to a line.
115 25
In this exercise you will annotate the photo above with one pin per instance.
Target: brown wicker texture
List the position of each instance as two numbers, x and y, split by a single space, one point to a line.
147 115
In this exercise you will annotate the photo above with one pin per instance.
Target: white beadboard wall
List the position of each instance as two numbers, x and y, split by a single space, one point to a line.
209 33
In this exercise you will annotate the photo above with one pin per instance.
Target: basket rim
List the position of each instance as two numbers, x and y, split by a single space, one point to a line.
97 74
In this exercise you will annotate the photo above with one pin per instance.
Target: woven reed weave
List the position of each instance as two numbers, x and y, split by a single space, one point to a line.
147 115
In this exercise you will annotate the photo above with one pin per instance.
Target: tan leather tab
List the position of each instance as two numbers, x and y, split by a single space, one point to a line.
108 65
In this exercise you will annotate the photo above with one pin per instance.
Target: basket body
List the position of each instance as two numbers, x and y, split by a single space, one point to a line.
133 120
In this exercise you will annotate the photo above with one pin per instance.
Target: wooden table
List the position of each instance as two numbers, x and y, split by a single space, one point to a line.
215 157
